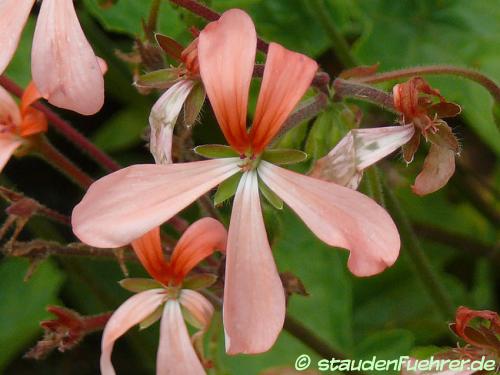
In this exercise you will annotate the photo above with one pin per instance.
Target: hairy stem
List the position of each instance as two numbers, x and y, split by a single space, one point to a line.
471 74
350 89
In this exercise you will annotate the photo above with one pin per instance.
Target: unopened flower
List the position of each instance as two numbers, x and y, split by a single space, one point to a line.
166 297
18 124
127 203
63 64
186 92
420 116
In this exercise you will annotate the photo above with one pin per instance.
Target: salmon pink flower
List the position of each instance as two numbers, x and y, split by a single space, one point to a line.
63 64
18 124
165 296
361 148
128 203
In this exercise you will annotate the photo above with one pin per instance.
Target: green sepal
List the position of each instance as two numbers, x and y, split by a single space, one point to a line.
199 281
191 319
227 189
215 151
162 78
270 196
137 285
193 104
152 318
284 156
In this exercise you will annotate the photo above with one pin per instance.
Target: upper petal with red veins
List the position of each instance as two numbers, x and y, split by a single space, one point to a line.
340 217
226 54
254 299
176 354
199 241
13 17
8 144
287 76
439 166
124 205
359 149
64 66
131 312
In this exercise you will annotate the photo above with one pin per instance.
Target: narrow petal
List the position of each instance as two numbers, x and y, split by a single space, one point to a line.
33 121
359 149
254 299
131 312
9 111
148 250
287 76
8 144
340 217
226 54
124 205
13 17
162 120
199 241
63 64
439 166
176 354
200 307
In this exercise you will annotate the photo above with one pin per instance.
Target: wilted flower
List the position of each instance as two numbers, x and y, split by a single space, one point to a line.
63 64
18 124
164 297
128 203
361 148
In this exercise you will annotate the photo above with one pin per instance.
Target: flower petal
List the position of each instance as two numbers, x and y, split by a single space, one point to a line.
200 240
148 250
131 312
124 205
176 354
340 217
13 17
254 299
359 149
287 76
9 111
162 120
33 121
439 166
226 54
200 307
64 66
8 144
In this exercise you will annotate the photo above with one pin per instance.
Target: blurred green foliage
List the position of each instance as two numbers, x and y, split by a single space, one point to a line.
387 315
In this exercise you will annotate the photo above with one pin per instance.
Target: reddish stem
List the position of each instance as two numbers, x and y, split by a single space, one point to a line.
210 15
65 129
96 322
471 74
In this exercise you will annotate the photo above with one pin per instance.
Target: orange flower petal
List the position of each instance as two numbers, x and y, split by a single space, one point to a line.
287 76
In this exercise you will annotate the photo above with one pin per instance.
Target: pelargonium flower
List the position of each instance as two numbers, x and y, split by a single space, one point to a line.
420 116
18 124
63 64
164 297
128 203
185 91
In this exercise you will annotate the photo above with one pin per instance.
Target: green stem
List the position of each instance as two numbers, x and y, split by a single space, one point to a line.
375 185
341 48
423 267
152 20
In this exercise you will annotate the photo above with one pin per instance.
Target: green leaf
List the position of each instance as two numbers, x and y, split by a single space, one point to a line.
284 156
227 189
161 78
123 130
24 303
215 151
138 285
199 281
270 196
193 104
